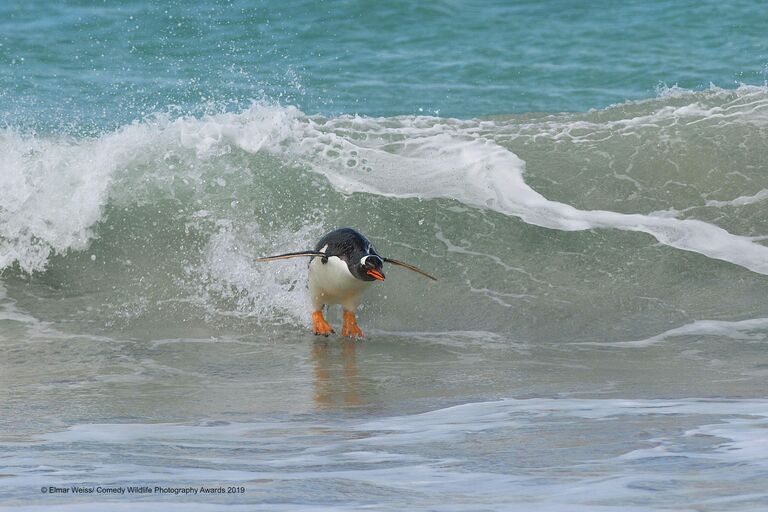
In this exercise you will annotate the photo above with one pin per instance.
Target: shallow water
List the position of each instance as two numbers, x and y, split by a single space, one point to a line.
444 421
596 338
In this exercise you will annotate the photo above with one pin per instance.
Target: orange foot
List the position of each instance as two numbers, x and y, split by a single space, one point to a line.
319 325
350 327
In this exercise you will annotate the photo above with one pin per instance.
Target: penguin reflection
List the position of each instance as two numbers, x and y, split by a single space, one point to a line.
336 381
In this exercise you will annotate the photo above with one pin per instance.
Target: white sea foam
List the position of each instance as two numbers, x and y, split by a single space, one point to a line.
432 455
742 200
269 292
459 420
53 190
753 329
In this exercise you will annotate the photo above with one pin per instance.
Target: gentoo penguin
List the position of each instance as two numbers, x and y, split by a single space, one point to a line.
343 264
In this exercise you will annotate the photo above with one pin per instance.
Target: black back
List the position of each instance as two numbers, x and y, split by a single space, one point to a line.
352 248
347 244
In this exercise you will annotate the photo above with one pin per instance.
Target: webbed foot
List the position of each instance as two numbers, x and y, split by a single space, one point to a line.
319 325
350 327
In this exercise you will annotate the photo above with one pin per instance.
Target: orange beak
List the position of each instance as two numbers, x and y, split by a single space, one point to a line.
375 274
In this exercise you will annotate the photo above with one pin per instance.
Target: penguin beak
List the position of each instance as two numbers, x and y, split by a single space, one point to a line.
375 274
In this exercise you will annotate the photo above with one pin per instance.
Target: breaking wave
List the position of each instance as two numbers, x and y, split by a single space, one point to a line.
190 201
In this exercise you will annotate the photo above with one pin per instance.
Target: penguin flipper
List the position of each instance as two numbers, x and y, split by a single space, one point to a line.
287 255
410 267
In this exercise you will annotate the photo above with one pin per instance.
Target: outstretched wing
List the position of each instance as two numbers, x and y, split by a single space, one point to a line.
287 255
410 267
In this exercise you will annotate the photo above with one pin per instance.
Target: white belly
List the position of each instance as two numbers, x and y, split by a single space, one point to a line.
333 283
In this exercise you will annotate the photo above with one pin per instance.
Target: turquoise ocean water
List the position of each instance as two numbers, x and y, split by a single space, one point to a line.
587 180
109 63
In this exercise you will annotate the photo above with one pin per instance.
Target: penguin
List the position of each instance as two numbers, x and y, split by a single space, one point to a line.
343 264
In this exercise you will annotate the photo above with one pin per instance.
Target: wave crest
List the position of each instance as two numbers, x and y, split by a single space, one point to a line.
55 189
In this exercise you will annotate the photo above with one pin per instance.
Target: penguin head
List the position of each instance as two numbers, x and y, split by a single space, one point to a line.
368 267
